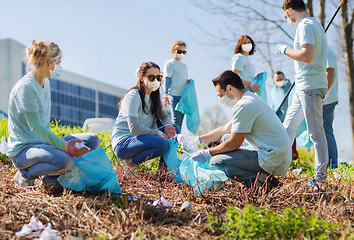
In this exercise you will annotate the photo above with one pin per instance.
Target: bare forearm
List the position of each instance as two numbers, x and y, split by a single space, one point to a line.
298 55
216 134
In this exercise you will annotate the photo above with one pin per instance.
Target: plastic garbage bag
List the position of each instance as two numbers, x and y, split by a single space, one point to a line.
3 146
188 105
36 229
162 201
93 172
173 162
200 176
261 82
304 140
188 143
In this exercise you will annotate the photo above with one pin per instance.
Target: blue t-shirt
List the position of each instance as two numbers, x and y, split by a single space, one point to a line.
27 96
131 106
241 63
332 94
252 115
277 95
178 72
311 75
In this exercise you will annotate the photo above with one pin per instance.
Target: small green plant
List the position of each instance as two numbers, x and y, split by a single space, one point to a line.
254 223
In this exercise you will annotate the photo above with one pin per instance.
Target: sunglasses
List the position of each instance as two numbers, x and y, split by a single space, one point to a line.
180 51
153 77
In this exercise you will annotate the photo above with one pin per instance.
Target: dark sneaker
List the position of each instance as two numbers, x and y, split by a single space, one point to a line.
50 183
21 181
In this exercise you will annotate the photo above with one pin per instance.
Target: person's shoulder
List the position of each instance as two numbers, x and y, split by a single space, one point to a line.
170 61
27 81
238 56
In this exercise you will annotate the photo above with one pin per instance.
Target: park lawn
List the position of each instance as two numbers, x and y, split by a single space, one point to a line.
233 212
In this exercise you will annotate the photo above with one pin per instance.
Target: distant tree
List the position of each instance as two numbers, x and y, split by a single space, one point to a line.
212 118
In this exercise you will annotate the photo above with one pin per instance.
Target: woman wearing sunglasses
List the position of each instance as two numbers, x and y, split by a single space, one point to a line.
241 65
176 80
135 137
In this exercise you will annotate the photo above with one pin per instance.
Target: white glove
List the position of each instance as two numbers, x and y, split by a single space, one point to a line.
281 49
188 143
202 155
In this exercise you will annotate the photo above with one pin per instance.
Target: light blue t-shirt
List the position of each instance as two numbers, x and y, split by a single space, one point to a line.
311 75
178 72
277 95
27 96
332 94
131 106
252 115
241 63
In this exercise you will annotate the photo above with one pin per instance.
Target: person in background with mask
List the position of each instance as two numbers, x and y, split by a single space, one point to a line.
310 58
242 66
176 80
329 104
33 148
281 87
268 151
135 138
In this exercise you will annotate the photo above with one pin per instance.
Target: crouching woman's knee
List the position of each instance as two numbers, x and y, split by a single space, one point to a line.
65 163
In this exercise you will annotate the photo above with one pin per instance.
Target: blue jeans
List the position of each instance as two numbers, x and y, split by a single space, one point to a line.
177 116
142 148
241 163
308 104
328 115
45 159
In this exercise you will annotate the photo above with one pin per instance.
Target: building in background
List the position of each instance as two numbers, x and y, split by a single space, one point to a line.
74 98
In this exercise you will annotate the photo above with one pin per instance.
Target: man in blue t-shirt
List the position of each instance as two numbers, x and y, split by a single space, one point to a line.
310 58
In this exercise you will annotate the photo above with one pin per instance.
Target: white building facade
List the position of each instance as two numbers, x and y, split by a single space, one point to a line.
74 98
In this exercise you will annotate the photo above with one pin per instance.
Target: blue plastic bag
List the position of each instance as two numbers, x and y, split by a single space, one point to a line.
188 105
200 176
261 82
173 162
93 172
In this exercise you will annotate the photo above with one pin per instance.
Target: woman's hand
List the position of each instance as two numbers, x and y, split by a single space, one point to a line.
189 80
163 135
170 131
73 150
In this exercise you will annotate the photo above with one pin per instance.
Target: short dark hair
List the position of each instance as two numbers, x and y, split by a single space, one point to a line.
296 5
238 48
279 72
228 77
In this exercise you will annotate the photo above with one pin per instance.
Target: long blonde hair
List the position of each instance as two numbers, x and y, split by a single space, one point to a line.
40 52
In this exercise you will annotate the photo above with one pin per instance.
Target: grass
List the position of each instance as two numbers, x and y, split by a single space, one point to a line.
292 209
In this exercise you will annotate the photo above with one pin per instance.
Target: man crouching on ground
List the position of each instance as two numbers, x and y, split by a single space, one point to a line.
267 150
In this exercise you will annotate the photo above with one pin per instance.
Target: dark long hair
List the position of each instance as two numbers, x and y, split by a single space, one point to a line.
238 48
155 107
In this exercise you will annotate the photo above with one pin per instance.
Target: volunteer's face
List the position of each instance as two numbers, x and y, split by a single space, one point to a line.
279 78
222 92
150 71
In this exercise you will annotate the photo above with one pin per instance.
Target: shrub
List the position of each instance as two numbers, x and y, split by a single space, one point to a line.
253 223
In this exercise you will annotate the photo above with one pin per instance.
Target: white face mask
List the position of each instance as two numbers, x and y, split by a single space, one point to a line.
227 102
247 47
279 84
179 57
291 23
153 86
56 72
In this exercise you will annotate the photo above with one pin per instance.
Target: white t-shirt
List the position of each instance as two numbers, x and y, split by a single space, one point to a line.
241 63
265 132
332 94
178 72
311 75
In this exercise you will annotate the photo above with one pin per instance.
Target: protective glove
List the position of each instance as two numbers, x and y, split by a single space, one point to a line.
73 150
202 155
281 49
170 131
188 143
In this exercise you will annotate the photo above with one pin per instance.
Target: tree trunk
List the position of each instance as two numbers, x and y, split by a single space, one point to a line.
309 8
347 25
321 13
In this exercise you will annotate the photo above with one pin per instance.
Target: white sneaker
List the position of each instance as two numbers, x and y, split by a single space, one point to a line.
22 182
